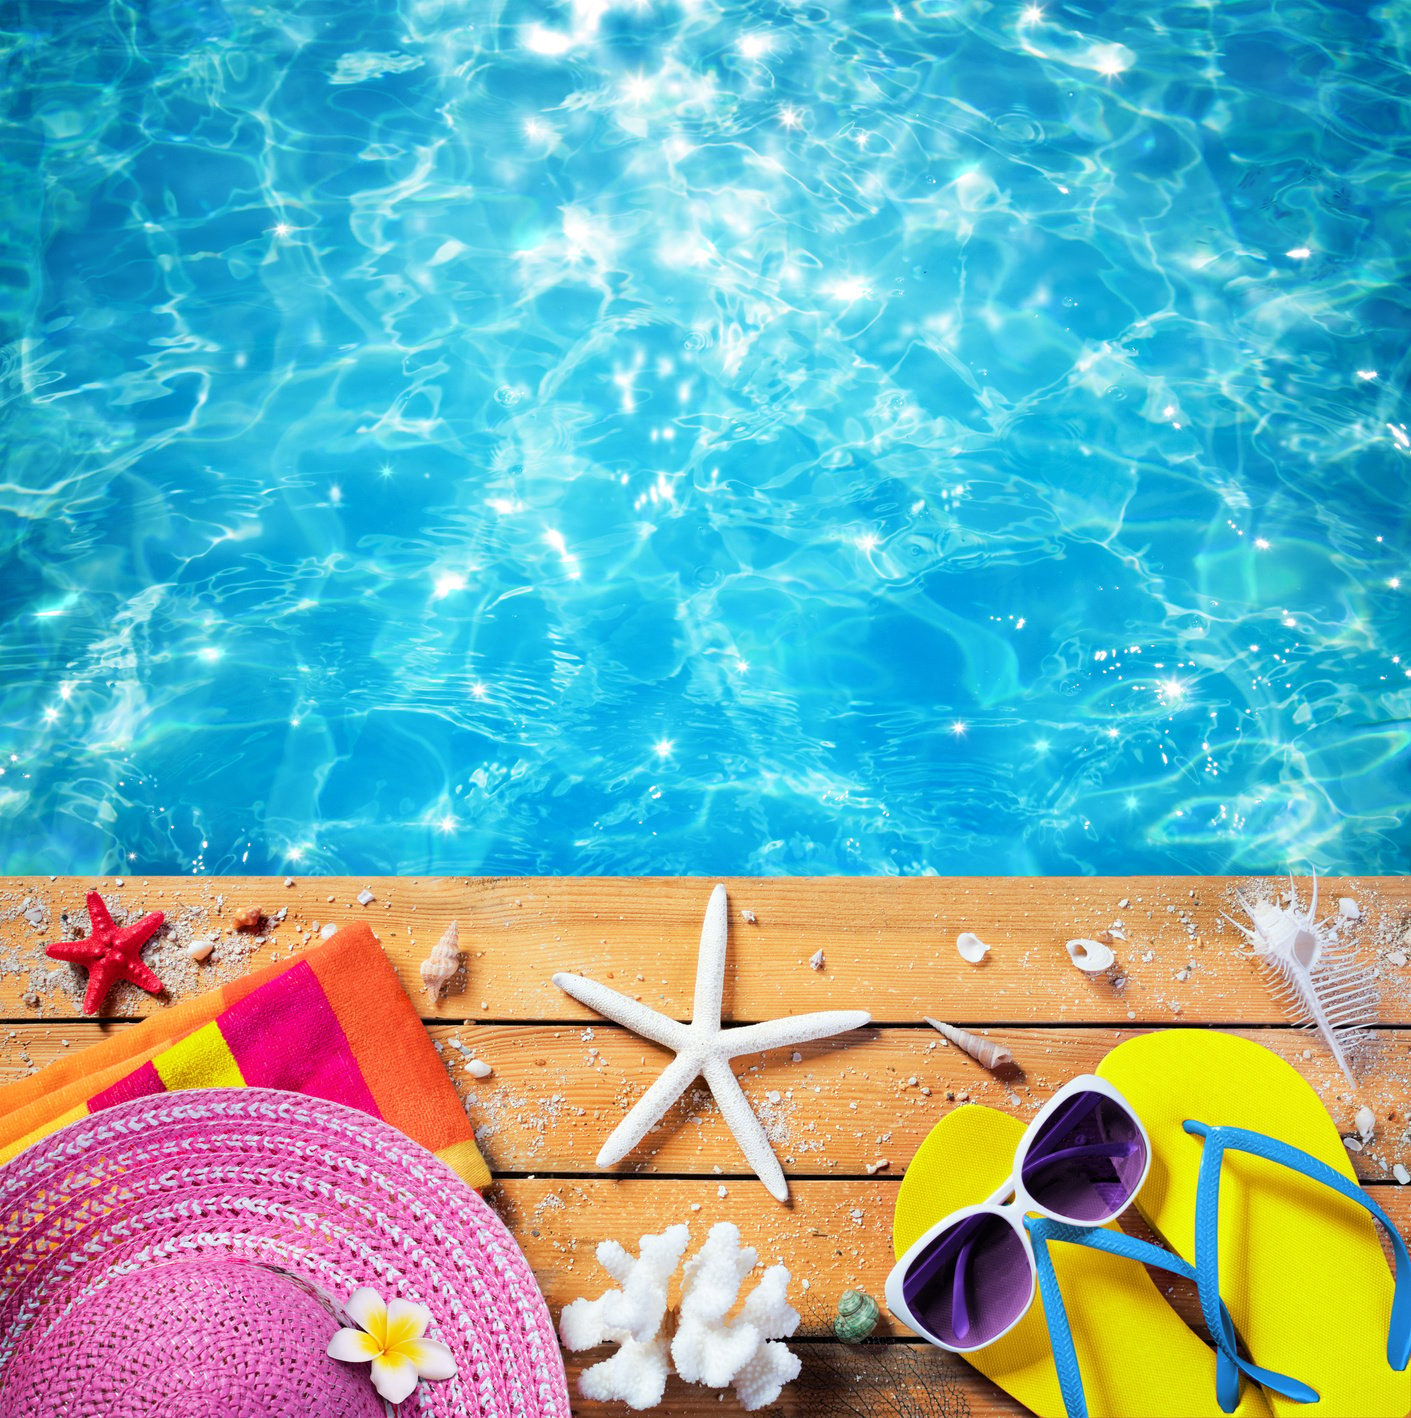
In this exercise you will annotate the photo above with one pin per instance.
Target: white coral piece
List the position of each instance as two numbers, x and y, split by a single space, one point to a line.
708 1349
631 1317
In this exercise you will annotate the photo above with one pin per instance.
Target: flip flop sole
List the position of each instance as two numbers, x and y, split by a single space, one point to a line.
1301 1269
1137 1356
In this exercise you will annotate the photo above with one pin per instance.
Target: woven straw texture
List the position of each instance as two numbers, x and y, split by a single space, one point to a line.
198 1337
323 1192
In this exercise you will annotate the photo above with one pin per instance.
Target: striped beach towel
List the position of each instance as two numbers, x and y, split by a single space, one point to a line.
334 1023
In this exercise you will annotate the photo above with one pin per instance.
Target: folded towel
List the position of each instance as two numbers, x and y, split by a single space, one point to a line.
335 1024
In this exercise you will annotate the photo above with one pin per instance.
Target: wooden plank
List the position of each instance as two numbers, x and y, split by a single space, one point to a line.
557 1091
839 1381
889 943
834 1234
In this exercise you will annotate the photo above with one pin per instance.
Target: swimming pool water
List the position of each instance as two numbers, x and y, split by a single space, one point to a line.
704 437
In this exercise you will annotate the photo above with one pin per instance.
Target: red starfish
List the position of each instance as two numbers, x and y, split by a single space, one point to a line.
110 953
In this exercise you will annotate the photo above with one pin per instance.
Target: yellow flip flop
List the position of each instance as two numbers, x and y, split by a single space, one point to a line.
1296 1255
1137 1358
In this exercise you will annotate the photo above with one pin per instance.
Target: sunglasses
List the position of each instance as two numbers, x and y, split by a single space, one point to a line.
971 1278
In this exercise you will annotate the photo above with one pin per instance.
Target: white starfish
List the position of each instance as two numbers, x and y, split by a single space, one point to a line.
703 1048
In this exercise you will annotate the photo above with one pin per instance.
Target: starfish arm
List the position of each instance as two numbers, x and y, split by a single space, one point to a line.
98 912
710 964
143 978
100 981
747 1128
76 952
650 1108
785 1033
142 931
669 1033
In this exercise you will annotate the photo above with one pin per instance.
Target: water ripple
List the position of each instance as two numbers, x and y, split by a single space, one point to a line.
755 437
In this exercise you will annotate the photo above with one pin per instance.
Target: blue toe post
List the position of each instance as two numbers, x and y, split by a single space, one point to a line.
1228 1363
1218 1141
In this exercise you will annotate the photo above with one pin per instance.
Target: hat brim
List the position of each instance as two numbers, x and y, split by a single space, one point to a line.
325 1192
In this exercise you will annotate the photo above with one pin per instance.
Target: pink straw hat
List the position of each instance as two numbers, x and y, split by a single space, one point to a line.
191 1255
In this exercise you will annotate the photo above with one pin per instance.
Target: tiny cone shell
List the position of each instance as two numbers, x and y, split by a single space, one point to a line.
984 1051
439 968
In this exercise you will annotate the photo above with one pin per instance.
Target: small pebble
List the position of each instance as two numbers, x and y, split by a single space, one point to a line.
200 949
1397 957
289 881
119 882
1366 1122
774 1095
248 918
365 897
749 917
478 1068
796 1057
879 1165
328 930
721 1193
1401 1174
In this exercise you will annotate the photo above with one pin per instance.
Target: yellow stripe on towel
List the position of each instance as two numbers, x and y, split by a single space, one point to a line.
201 1060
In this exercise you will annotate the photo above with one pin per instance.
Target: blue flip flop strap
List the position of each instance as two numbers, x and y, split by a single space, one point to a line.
1218 1141
1228 1362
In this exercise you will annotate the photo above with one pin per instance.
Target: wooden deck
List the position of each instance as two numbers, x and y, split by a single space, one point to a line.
562 1077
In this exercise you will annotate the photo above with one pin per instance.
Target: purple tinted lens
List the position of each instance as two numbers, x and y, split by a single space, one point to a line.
1087 1160
971 1283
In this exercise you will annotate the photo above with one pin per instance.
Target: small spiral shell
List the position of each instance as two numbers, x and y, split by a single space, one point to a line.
439 968
984 1051
857 1316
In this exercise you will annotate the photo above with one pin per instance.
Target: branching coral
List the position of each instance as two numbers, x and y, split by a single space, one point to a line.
708 1348
630 1317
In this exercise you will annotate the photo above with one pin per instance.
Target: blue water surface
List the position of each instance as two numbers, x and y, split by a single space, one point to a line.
719 436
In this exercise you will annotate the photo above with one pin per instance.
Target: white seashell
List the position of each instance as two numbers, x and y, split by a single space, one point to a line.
1402 1176
330 929
439 968
478 1068
1366 1121
972 949
1091 955
816 959
1349 910
200 949
985 1052
1316 978
749 917
365 897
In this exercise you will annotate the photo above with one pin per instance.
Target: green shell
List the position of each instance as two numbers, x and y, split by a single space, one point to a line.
857 1316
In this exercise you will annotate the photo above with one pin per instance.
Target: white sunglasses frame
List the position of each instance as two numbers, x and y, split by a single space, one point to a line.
1011 1203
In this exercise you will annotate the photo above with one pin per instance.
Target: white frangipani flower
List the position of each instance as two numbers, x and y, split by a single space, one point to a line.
390 1337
